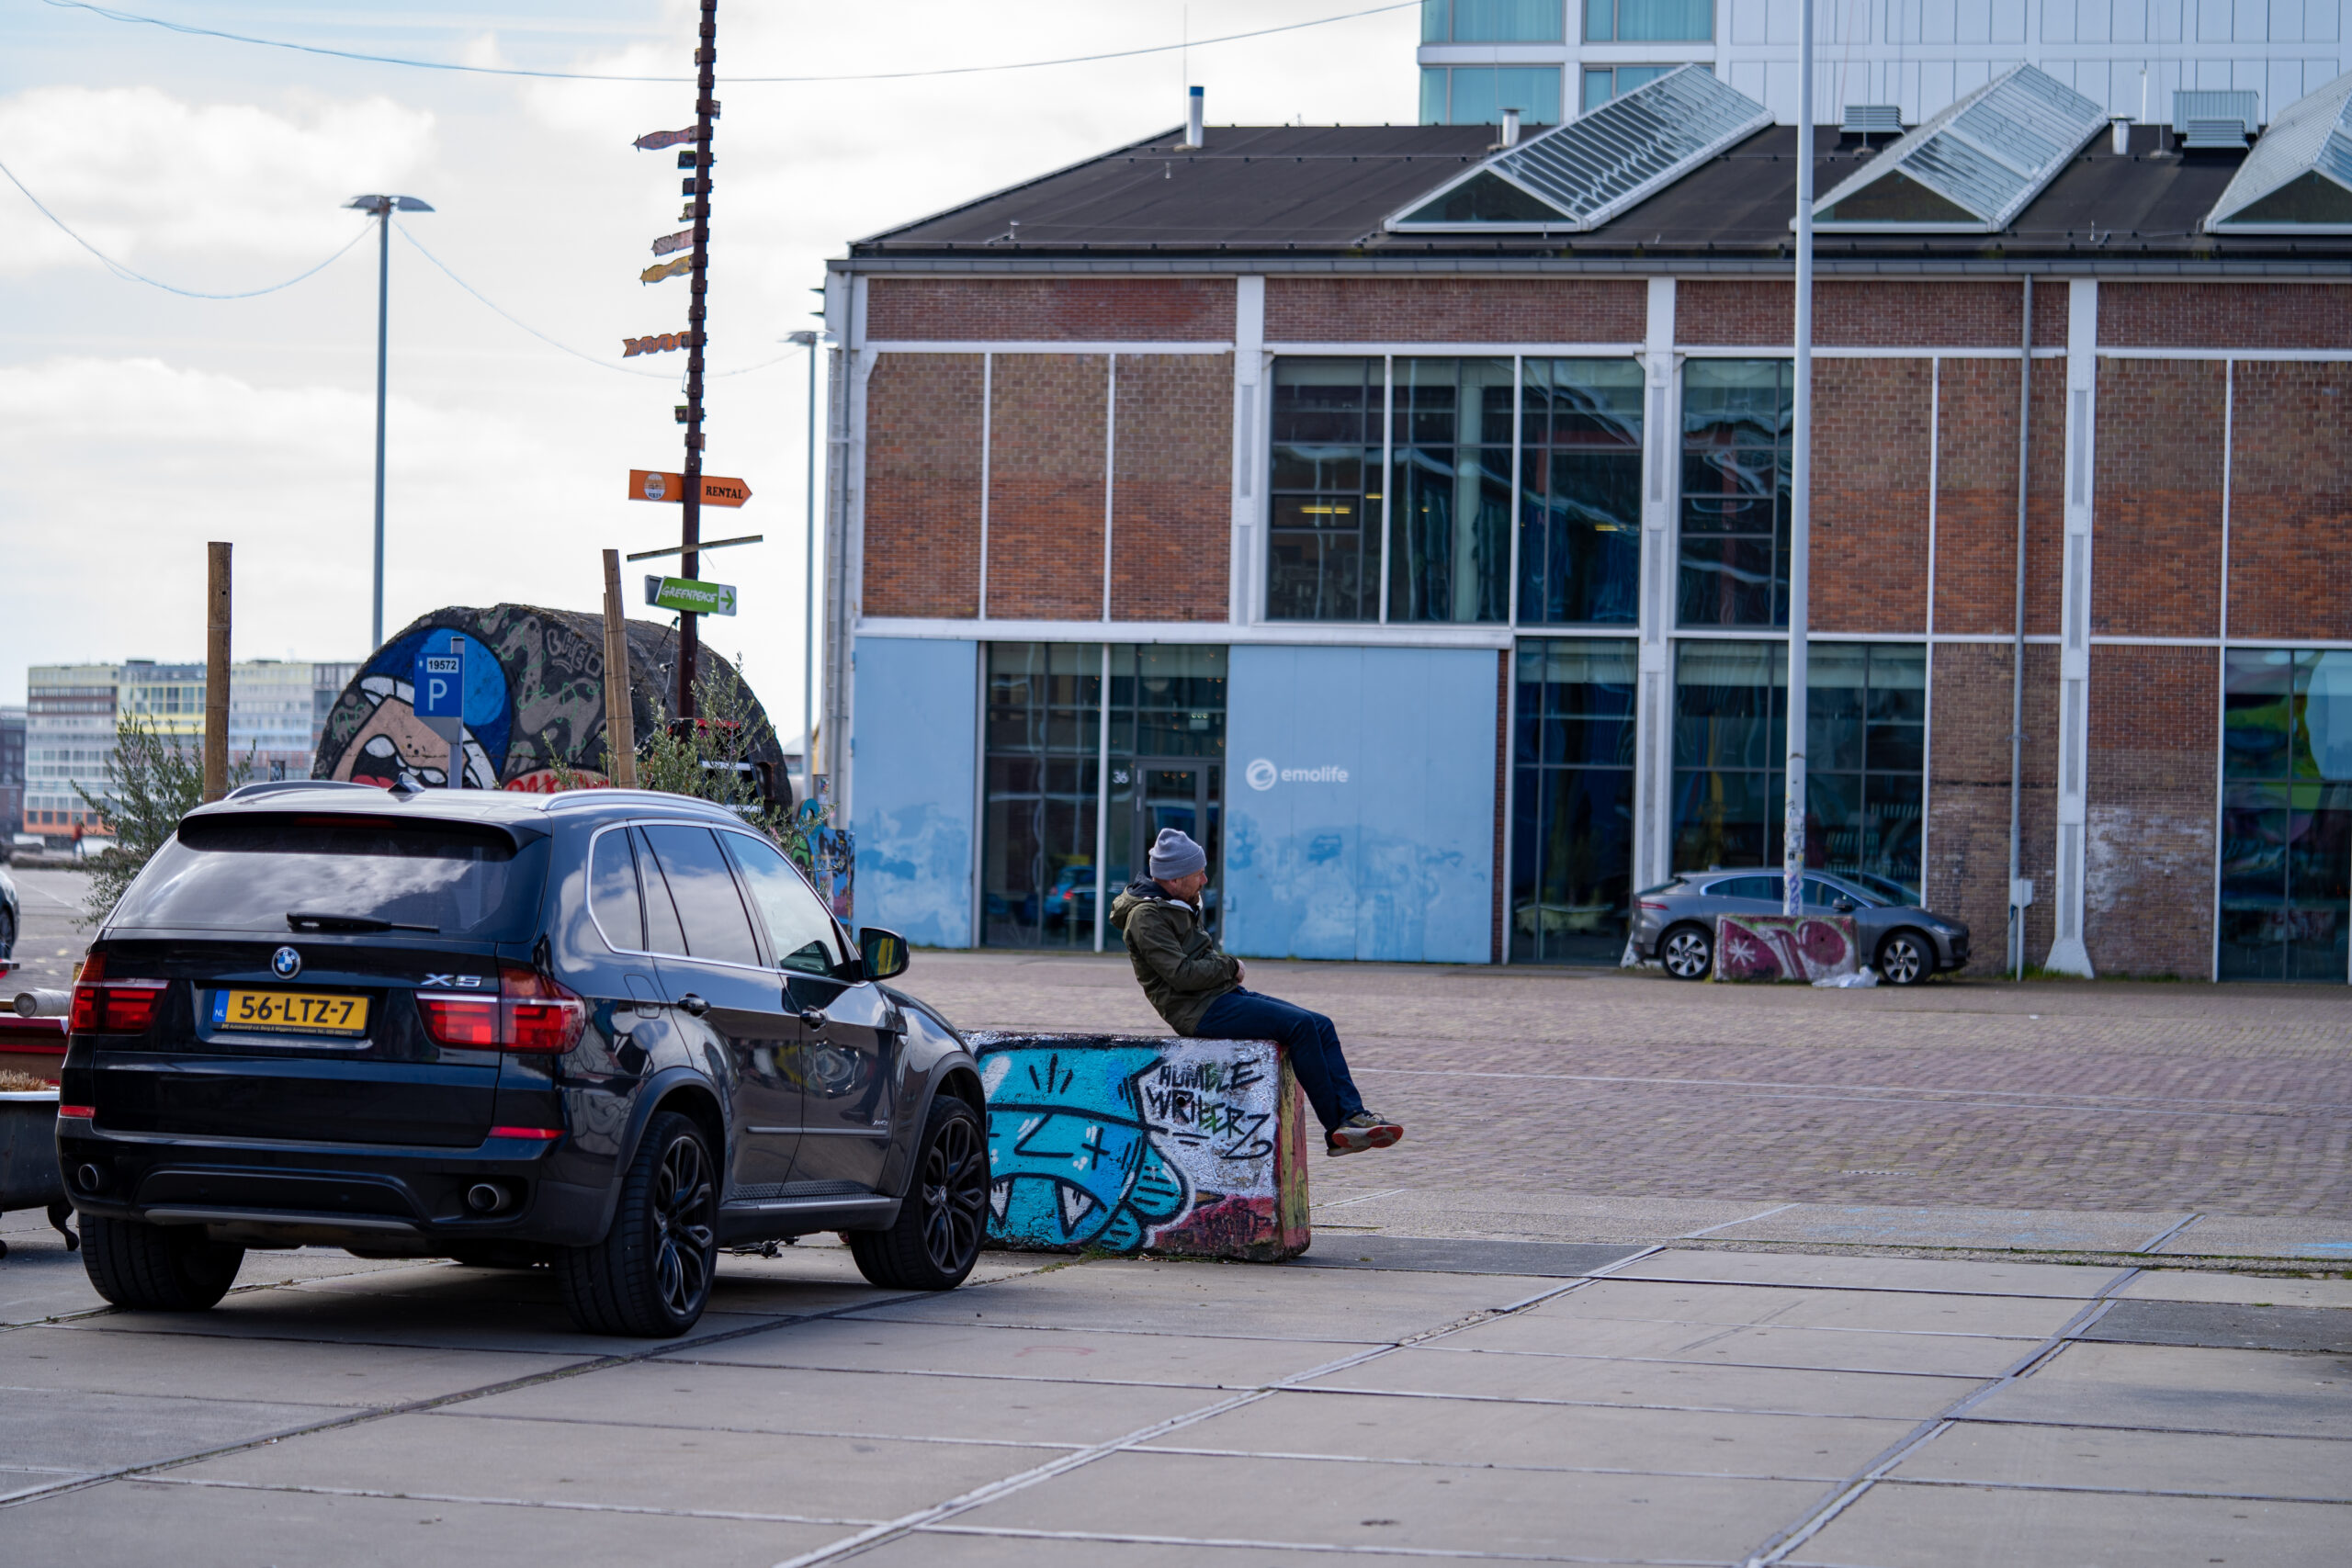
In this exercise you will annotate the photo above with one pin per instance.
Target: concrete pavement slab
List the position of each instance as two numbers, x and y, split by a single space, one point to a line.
852 1479
1371 1203
1949 1355
15 1480
2314 1468
2225 1327
958 1545
210 1368
875 1404
145 1524
1529 1259
108 1431
1933 1276
1453 1509
2253 1393
1541 1436
2323 1240
40 1279
1219 1299
1909 1312
975 1349
2251 1289
1419 1370
1941 1527
2042 1230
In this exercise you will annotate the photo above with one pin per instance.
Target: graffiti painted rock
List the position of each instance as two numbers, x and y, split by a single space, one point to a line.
1781 947
1113 1144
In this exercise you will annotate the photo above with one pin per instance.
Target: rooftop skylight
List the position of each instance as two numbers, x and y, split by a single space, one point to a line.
1974 165
1579 174
2298 179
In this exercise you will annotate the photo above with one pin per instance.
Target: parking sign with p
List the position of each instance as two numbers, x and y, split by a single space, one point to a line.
440 685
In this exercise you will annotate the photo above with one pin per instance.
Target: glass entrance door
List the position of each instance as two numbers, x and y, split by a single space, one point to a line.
1155 792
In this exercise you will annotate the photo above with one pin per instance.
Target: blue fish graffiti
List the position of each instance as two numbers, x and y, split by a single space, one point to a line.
1073 1158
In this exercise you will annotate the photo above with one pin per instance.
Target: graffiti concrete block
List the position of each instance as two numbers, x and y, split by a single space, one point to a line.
1113 1144
1785 947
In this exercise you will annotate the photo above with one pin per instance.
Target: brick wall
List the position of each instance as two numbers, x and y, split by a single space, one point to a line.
2224 315
2156 564
1171 532
1153 309
1045 442
1967 869
2290 501
922 485
1727 312
1977 502
2148 862
1869 495
1501 310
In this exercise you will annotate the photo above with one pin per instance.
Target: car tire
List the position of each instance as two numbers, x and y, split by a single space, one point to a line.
1905 958
1687 953
8 934
651 1277
144 1268
935 1240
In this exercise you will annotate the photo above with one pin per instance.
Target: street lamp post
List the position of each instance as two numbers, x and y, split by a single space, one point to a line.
1800 490
382 208
807 340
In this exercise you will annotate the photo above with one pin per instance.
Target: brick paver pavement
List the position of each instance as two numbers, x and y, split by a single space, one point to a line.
2088 1096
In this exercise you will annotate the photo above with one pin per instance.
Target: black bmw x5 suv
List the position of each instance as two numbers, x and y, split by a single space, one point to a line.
611 1032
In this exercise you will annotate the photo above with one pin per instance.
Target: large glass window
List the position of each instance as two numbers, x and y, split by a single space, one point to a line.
1865 756
1449 531
1572 801
1649 21
1325 564
1580 492
1490 21
1477 94
1602 83
1045 781
1737 419
2286 814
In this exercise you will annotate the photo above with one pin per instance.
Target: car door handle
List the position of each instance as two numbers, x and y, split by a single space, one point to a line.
814 1017
695 1007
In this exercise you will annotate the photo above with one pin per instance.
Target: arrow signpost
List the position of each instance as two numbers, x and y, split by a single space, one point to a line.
651 484
440 689
689 597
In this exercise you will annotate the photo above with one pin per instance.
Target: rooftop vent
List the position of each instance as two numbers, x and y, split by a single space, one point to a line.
2241 105
1971 167
1579 174
1511 128
1872 120
1193 108
2298 179
2227 134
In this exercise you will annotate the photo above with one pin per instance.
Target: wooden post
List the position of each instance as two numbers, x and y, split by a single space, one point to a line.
620 719
215 671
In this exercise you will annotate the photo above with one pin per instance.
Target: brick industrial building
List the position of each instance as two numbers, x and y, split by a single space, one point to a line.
1417 498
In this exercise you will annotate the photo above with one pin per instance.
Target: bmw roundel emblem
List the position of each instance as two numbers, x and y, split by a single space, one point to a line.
286 964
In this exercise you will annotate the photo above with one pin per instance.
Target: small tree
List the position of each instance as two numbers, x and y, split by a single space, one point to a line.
152 781
707 758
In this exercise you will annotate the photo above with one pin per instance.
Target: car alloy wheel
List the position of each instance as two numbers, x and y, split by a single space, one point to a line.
650 1275
1903 958
1686 953
954 1196
686 1240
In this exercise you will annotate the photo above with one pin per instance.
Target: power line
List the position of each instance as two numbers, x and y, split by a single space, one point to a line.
131 275
114 16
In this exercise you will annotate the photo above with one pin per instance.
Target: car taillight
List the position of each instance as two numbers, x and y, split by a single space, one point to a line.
540 1016
459 1021
1652 904
79 1112
114 1006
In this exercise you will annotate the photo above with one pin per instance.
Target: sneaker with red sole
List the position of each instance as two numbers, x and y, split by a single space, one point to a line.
1361 1132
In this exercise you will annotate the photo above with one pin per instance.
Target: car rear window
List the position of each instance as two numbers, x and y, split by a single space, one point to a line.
248 874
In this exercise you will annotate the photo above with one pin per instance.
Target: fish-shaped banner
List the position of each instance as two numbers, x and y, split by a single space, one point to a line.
666 269
658 343
677 242
654 141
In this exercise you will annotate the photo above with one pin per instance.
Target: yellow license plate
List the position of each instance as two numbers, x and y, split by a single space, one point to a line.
306 1012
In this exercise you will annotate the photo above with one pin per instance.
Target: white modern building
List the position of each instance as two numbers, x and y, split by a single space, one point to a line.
1550 58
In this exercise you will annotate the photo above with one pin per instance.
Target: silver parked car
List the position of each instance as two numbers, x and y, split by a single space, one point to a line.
1674 925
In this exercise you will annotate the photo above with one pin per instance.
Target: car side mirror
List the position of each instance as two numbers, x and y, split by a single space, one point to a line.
1845 906
885 953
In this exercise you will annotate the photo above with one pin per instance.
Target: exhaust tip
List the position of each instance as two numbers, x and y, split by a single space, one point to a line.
89 1178
486 1198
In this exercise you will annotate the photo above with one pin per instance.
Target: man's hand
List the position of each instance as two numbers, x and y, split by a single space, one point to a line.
1240 971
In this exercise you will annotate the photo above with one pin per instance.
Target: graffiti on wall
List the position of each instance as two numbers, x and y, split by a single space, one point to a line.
1781 947
1116 1145
825 853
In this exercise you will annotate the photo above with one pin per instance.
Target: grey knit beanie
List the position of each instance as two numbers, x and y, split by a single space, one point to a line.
1174 854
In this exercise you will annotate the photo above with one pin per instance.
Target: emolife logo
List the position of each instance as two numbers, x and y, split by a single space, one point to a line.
1263 774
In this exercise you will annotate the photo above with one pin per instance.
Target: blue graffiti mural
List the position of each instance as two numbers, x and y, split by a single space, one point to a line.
1073 1158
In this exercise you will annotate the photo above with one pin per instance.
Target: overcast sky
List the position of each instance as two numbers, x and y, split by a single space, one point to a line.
136 425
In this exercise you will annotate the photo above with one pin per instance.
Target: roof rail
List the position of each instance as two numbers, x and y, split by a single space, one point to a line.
574 799
279 786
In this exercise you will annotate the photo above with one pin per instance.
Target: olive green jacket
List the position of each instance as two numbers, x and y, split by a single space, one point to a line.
1176 959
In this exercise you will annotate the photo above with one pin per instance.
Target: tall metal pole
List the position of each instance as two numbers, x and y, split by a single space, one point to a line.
383 330
216 669
1799 483
2016 644
697 186
809 602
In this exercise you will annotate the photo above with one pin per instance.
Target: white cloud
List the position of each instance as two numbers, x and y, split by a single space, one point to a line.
144 175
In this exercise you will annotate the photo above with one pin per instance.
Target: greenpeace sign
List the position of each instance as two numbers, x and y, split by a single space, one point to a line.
1263 774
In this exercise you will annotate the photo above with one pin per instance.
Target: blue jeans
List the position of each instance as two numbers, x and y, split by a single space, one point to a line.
1313 1043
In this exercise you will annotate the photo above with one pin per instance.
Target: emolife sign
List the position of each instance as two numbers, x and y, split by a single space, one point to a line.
1263 774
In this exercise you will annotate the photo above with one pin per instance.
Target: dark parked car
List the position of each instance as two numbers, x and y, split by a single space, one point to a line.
11 916
1674 925
610 1030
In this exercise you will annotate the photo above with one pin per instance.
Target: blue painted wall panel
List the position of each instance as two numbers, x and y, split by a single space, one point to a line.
1360 813
915 732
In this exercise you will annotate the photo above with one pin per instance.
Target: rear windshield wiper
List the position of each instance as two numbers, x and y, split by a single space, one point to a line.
305 920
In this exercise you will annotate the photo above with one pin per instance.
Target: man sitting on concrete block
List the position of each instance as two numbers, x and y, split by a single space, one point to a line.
1197 988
